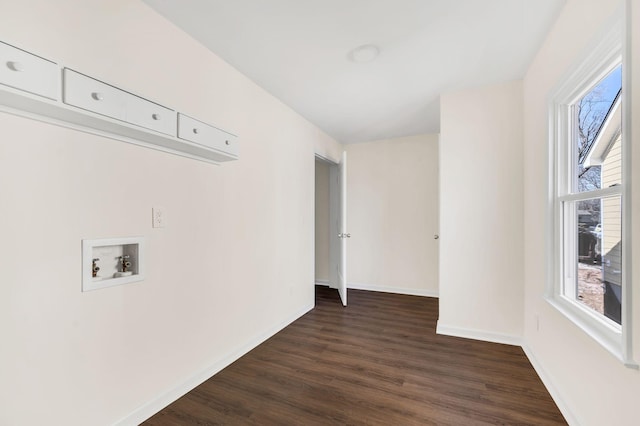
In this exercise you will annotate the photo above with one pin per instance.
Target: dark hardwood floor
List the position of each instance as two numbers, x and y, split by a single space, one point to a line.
377 362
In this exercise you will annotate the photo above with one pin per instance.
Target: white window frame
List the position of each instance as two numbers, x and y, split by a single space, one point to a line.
601 58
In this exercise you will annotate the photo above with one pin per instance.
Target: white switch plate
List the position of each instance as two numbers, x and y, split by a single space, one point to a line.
159 217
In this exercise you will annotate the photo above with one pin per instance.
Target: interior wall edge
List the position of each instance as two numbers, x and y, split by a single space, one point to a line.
548 382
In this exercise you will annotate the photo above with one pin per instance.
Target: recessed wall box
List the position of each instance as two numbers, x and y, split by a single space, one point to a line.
112 261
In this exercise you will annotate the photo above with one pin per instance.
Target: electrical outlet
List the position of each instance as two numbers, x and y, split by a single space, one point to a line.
159 217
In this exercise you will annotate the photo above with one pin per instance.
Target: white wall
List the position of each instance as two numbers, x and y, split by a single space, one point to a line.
233 265
322 222
590 385
392 200
481 228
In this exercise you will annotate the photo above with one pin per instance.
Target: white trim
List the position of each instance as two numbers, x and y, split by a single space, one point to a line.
150 408
591 195
323 158
470 333
601 329
383 289
627 221
556 395
134 140
324 283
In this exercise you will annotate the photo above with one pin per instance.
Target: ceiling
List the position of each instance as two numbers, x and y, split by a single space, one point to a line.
298 50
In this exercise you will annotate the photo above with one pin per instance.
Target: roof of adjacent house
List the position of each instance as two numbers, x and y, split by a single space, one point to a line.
607 133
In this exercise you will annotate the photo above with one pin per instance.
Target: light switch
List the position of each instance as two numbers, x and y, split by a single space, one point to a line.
159 217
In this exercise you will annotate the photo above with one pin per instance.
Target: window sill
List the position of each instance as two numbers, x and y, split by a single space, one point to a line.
603 331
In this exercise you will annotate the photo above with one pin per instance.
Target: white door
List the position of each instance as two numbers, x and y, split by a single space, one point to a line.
343 235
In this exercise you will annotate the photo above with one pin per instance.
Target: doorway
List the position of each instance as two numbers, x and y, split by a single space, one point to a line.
330 225
322 223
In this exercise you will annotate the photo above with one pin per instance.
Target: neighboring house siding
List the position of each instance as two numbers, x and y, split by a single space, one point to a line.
611 215
612 165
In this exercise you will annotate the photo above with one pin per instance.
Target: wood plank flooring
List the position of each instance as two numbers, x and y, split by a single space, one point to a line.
376 362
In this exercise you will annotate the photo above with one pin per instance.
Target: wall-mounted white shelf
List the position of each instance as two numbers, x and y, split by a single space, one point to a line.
112 261
36 88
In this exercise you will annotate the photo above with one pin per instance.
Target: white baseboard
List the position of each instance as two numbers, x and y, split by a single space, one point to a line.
553 391
324 283
487 336
152 407
397 290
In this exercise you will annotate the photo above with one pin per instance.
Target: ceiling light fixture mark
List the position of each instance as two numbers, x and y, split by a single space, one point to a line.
363 54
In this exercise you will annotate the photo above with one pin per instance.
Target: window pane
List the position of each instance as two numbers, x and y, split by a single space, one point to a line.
597 141
590 289
612 256
599 263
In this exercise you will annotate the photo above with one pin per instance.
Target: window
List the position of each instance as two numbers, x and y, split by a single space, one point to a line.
591 199
587 280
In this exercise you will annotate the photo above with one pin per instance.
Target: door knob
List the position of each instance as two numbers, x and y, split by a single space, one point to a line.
435 237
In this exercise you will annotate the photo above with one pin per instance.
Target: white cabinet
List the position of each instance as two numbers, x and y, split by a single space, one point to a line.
95 96
201 133
150 115
38 88
31 73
